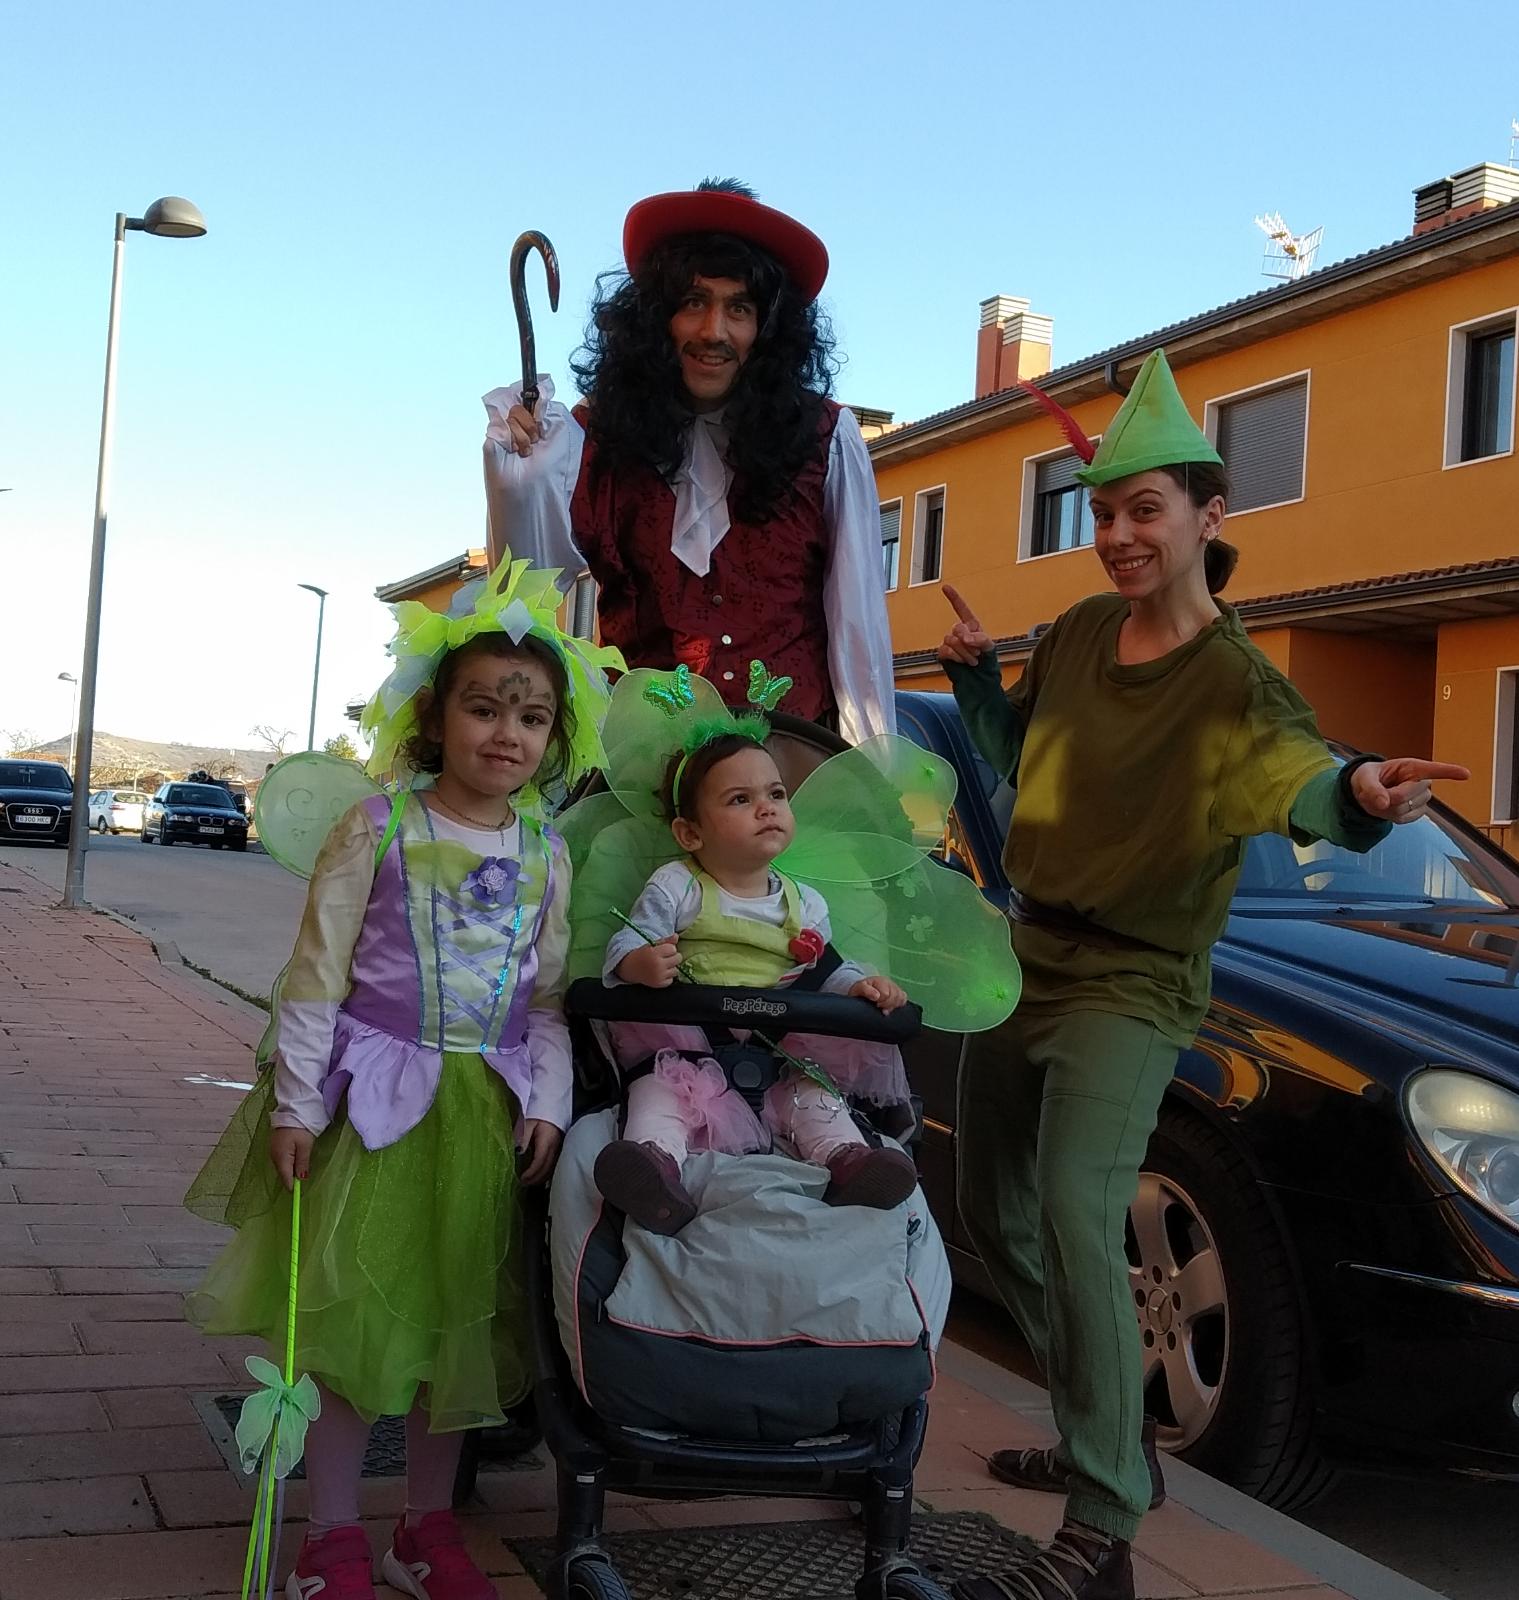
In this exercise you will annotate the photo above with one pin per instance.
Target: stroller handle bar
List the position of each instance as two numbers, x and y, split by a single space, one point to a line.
773 1011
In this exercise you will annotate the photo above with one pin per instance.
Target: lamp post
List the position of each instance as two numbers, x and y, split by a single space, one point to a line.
316 671
169 218
68 677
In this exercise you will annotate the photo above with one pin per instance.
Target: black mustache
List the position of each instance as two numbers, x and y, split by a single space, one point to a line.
725 350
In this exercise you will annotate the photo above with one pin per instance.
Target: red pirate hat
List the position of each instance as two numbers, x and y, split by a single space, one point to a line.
664 216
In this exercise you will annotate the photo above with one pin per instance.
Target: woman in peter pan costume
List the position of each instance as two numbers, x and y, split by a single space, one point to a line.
1148 740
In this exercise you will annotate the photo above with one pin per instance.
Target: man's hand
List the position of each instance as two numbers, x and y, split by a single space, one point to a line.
290 1151
655 966
540 1147
881 992
524 429
1398 791
967 641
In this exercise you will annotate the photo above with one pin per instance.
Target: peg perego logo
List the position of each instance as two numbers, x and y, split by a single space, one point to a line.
754 1008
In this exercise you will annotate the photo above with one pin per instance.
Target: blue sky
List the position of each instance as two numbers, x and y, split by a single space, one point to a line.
298 397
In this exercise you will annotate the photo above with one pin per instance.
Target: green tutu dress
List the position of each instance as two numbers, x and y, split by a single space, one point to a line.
410 1280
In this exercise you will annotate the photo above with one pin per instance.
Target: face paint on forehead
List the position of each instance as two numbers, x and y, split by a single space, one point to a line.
519 687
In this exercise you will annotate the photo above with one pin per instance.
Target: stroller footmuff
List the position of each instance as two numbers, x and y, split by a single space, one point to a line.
771 1317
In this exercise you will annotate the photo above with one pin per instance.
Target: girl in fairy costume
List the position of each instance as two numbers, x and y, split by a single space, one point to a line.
736 898
420 1054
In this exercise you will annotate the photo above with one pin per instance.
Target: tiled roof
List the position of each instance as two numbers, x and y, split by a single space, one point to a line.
1135 349
1398 582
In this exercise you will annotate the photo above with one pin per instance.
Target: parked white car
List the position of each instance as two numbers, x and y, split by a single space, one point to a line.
117 810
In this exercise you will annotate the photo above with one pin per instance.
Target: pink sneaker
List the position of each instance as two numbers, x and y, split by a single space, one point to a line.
431 1563
335 1567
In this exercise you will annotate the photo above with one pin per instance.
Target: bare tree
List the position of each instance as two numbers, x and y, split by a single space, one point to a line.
21 741
275 738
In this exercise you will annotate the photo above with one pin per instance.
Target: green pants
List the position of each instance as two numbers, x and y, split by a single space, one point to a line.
1051 1132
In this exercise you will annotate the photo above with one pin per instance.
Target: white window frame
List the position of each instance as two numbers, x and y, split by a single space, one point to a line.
895 500
1213 408
1028 502
1461 336
1505 732
916 580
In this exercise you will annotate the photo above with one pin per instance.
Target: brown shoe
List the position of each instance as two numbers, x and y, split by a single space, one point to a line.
643 1182
1077 1564
863 1175
1038 1469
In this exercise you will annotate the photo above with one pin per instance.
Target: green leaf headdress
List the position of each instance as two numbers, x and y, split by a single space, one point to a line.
517 599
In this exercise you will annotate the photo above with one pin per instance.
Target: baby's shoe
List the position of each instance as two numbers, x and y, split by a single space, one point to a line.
863 1175
336 1566
643 1182
430 1562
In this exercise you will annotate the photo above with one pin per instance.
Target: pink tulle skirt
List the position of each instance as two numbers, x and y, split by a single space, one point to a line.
868 1071
715 1116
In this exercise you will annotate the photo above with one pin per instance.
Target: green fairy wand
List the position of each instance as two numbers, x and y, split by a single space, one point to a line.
271 1432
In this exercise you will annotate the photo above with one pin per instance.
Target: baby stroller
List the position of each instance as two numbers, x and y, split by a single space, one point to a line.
630 1399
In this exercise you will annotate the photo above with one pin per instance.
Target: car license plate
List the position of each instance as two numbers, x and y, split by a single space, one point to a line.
206 827
24 821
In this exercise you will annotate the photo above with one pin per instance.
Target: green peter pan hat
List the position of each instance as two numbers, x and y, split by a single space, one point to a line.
1153 428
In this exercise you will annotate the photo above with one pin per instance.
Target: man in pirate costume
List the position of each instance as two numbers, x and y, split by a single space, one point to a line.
723 503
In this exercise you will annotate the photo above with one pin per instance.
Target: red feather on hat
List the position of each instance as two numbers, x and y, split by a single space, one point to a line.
1069 426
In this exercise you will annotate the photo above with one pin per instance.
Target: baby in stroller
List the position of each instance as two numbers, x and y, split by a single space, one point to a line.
722 914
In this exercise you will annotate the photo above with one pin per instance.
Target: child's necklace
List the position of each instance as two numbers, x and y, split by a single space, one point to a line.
474 822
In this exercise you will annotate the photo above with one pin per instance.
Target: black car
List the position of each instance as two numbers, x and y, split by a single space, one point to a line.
1324 1251
36 801
194 813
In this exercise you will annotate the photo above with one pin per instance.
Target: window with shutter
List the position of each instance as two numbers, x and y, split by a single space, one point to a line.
1487 412
1263 438
1062 518
928 535
891 540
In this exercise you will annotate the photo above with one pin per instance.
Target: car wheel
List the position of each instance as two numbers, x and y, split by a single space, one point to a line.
163 833
142 838
100 827
1225 1350
238 844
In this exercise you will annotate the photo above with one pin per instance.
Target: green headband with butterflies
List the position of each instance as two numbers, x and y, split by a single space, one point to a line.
676 696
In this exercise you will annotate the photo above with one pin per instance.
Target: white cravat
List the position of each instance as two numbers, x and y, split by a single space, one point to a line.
701 494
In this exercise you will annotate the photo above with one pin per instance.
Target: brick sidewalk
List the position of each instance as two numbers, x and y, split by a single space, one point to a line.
111 1487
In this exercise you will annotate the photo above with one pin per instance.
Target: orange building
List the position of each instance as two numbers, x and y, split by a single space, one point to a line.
1366 412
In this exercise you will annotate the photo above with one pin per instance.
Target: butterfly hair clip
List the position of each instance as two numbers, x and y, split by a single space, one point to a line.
766 692
674 696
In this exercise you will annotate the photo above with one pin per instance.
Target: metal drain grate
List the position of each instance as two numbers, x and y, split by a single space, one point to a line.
385 1457
786 1560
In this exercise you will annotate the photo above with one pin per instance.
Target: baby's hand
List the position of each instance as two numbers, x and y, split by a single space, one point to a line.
882 991
290 1151
655 966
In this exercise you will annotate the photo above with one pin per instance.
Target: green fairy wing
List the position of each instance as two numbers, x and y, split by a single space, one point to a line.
299 801
613 854
651 716
866 820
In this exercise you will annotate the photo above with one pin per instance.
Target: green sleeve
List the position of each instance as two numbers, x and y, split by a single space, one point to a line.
995 726
1325 808
1274 751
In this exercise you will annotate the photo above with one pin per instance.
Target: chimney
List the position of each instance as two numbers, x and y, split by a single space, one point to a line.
1013 343
1467 194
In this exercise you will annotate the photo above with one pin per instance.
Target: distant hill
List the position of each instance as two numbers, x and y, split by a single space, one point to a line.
118 760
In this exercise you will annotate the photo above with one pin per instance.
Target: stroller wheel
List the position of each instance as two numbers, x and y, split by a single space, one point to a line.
594 1578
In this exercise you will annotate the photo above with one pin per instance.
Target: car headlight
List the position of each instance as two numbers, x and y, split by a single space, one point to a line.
1470 1126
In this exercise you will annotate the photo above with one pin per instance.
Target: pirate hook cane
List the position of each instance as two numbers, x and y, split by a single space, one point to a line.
528 242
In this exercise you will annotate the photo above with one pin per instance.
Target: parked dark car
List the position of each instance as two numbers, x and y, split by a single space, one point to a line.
1324 1250
194 813
36 801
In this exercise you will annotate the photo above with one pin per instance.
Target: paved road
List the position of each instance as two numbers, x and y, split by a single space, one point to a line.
234 914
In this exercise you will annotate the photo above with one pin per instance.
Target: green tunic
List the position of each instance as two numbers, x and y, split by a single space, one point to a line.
1137 789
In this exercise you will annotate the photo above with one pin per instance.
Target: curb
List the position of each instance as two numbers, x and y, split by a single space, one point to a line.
1335 1564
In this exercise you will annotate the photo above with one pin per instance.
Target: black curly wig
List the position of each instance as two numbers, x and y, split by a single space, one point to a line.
629 368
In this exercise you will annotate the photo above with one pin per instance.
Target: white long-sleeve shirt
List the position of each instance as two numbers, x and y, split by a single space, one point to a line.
528 498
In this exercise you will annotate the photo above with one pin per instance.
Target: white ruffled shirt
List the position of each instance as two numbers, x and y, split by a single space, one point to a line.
528 499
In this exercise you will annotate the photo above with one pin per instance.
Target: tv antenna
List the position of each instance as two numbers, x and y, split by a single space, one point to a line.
1289 255
1513 139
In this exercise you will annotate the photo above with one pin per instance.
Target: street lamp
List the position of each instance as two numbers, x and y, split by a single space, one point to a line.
316 673
68 677
169 218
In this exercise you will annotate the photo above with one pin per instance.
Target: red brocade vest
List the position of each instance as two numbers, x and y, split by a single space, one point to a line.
762 597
